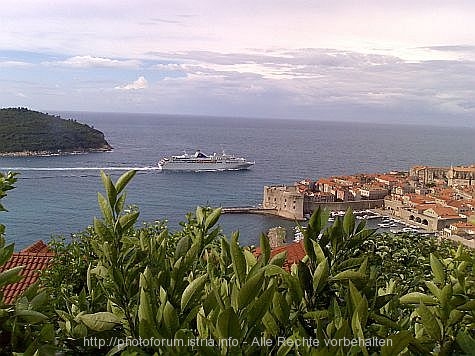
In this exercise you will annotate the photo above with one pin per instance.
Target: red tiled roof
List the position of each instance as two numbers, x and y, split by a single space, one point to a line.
463 224
34 258
444 212
295 253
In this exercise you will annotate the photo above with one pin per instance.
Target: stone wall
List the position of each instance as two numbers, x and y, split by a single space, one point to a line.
286 200
310 206
289 203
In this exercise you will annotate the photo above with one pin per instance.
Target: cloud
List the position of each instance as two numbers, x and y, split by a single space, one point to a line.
140 83
92 62
14 64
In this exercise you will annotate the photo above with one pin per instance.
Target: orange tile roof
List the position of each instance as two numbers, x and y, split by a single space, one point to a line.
295 253
444 212
463 224
34 258
456 203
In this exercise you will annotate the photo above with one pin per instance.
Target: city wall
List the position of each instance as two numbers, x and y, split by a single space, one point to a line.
289 203
310 206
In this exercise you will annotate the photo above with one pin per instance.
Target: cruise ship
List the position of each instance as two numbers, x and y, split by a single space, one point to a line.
200 162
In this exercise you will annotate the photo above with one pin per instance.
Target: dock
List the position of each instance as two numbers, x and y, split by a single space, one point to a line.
247 210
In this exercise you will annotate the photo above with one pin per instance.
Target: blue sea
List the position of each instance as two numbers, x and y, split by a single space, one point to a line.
57 195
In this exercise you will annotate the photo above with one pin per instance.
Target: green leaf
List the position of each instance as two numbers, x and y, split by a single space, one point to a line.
398 343
100 321
47 333
250 260
119 205
305 277
353 275
350 263
319 254
280 308
10 276
433 288
238 260
170 318
358 331
382 300
259 307
228 325
5 253
270 324
182 247
39 300
355 295
212 218
384 320
128 220
192 290
31 316
110 189
265 248
286 346
250 289
437 269
466 342
101 230
105 208
145 309
279 259
320 277
124 180
349 222
431 326
417 298
200 215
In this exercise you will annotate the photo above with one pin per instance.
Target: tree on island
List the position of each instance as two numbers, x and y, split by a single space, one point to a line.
30 131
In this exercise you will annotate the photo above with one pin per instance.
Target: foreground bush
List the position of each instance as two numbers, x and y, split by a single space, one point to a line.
117 287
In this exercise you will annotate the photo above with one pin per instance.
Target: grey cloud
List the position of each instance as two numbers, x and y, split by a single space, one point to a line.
452 48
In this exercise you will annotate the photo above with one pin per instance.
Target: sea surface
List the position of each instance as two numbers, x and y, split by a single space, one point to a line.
57 195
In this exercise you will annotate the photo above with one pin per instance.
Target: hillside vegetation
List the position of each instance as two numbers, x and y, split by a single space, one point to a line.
130 289
26 131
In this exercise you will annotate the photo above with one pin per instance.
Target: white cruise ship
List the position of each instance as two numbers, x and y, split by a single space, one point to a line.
200 162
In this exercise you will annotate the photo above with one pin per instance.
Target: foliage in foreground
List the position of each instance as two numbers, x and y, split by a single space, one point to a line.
117 284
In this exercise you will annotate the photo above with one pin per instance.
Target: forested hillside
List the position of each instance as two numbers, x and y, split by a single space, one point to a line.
23 130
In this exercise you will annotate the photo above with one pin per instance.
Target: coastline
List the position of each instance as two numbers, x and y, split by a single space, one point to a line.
45 153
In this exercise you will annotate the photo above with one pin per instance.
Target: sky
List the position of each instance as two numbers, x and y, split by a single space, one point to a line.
395 61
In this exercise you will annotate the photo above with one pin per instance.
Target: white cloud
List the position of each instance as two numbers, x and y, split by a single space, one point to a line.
169 67
140 83
91 62
14 64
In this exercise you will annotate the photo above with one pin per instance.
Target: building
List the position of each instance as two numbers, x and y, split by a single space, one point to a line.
461 176
34 259
426 174
286 200
295 253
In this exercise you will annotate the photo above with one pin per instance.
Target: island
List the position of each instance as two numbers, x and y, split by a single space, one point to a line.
26 132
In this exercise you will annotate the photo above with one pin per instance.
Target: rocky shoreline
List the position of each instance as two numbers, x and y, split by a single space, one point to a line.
55 152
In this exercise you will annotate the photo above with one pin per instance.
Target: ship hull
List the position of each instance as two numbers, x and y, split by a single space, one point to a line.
204 167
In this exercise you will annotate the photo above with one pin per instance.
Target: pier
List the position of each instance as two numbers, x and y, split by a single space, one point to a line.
248 210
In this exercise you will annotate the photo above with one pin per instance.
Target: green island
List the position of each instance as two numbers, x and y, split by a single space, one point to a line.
26 132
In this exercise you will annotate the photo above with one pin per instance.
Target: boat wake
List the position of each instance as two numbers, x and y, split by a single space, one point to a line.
63 169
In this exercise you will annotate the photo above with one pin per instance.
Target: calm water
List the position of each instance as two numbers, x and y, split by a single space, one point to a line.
63 200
